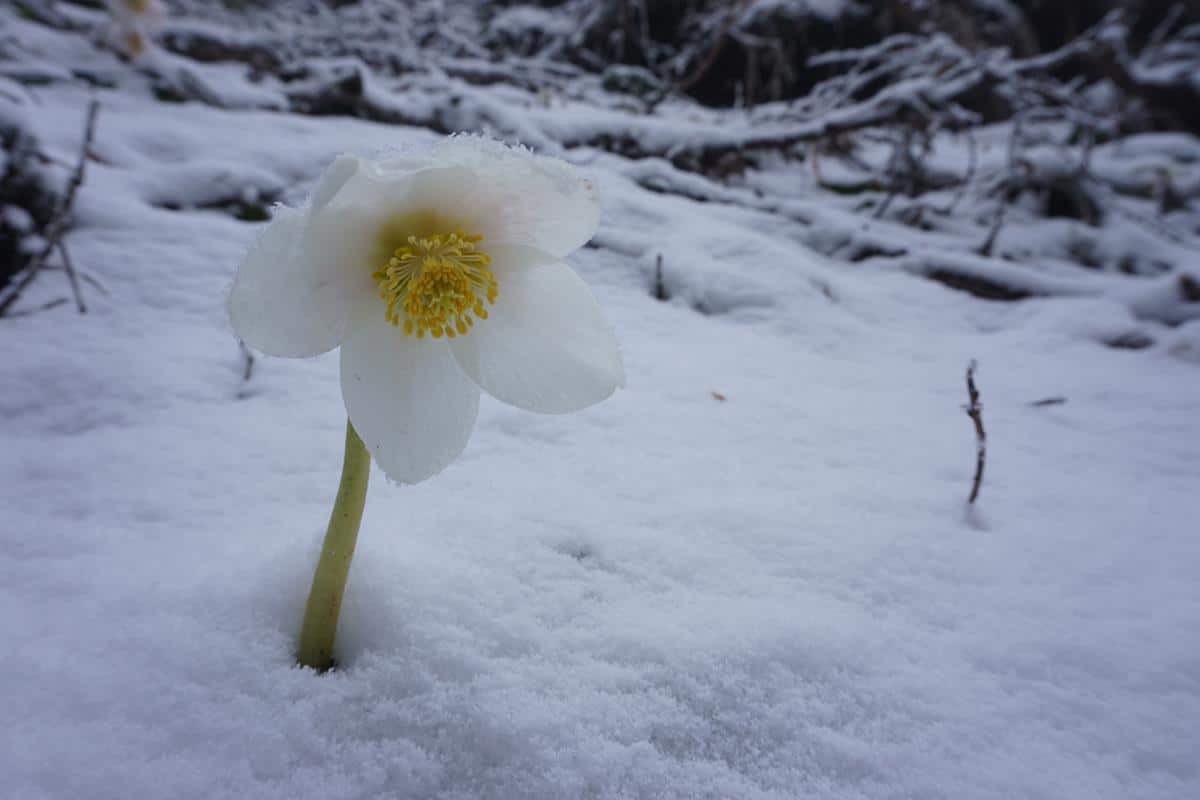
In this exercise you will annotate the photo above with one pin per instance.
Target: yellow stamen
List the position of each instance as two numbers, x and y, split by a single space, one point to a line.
433 284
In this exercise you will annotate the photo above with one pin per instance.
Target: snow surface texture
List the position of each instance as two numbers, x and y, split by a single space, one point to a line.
749 575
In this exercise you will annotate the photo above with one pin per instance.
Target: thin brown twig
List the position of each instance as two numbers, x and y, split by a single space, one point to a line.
1057 400
972 163
974 410
71 276
901 152
95 283
59 223
714 49
84 276
28 312
247 361
660 285
1007 186
709 58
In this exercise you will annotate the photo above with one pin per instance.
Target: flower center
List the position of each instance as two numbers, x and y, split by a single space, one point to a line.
435 283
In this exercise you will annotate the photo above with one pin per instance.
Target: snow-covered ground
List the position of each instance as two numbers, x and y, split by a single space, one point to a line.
751 574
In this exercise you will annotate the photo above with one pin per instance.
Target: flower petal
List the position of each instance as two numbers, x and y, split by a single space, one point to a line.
545 345
411 404
400 162
375 212
310 273
386 194
335 176
508 259
283 302
524 198
512 198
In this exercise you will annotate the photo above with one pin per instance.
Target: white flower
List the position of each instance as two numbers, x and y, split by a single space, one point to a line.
437 276
137 13
133 22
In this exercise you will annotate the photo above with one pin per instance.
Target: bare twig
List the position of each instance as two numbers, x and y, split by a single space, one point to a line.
972 163
710 57
247 359
660 286
893 176
28 312
1007 187
95 283
901 167
714 49
84 276
1057 400
62 216
71 276
974 410
1160 32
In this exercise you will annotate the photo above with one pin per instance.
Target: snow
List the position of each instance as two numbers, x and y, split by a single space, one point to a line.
829 10
776 592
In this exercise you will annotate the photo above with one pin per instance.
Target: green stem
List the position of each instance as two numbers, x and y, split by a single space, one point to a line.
329 581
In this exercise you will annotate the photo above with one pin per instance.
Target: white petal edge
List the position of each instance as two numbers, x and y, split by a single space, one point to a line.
523 198
545 346
335 176
444 189
284 304
407 398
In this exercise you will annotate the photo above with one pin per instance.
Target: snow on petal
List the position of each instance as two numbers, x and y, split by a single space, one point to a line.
400 203
545 346
407 398
523 198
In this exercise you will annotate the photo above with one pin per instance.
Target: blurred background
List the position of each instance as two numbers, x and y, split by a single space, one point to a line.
948 122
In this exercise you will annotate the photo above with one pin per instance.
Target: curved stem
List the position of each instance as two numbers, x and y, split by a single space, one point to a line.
329 581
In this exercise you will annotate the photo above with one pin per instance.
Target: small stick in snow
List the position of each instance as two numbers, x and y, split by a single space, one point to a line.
974 410
1048 401
95 283
71 276
248 358
58 224
660 286
85 277
28 312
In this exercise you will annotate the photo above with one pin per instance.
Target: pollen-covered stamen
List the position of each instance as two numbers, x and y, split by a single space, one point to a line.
433 284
